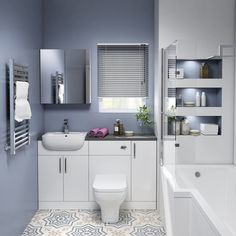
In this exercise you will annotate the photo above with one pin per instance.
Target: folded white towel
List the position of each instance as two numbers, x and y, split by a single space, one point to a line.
61 93
22 90
22 106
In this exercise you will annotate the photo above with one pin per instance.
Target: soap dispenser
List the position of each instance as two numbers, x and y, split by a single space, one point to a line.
116 128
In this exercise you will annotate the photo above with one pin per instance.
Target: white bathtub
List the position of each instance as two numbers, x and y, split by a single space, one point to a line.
204 206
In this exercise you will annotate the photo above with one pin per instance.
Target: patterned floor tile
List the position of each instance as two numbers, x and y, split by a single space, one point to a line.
32 230
86 230
148 230
61 219
89 217
125 219
88 223
147 217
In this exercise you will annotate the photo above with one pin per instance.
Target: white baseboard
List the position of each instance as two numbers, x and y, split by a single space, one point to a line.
94 206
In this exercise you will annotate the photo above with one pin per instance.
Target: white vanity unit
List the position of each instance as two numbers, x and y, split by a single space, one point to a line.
65 177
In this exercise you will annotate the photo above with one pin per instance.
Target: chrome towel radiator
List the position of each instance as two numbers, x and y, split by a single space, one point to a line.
18 133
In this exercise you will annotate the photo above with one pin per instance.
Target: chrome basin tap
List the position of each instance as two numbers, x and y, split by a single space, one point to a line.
66 126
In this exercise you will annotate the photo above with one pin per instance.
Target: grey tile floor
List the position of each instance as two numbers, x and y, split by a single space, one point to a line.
88 223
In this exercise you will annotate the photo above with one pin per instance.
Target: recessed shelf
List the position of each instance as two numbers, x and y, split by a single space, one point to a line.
192 68
213 95
195 121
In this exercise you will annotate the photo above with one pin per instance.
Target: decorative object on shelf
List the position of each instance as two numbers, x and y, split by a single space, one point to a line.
209 129
144 118
198 99
204 71
189 104
185 127
129 133
194 132
203 99
175 127
180 73
179 101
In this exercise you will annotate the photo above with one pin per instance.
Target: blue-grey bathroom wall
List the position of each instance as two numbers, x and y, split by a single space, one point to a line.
20 36
83 24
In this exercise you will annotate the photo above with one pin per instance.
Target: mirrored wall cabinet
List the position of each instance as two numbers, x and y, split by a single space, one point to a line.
65 76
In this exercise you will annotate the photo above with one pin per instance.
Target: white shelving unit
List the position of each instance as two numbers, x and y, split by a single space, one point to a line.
211 113
219 90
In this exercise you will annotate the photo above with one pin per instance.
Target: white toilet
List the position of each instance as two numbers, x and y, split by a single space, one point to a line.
110 192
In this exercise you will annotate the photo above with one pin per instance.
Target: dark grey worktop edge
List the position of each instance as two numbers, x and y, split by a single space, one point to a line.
122 138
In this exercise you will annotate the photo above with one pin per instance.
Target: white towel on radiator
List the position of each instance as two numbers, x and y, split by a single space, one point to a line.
22 106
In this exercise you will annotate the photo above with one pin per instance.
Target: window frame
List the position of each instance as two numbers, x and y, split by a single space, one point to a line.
121 109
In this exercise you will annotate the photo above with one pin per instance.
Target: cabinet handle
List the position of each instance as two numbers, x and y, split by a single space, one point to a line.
123 147
60 165
65 165
134 150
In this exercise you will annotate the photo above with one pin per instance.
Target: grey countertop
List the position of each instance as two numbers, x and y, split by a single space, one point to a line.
111 137
135 137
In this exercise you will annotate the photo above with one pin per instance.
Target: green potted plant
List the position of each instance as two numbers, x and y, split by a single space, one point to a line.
144 118
174 123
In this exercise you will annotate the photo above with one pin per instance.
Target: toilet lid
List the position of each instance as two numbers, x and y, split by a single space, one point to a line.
109 183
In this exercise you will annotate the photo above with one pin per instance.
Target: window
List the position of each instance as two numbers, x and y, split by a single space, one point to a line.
120 104
122 77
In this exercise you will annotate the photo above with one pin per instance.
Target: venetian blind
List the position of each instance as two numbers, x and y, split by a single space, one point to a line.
123 70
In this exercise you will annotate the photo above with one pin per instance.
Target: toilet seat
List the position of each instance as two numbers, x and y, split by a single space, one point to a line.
110 183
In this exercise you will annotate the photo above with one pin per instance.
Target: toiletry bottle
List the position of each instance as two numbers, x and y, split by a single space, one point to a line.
117 128
198 100
203 99
204 71
121 129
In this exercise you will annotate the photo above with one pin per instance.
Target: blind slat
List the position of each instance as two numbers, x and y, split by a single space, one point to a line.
123 70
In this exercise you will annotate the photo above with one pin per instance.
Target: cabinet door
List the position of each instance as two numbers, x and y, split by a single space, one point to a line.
75 178
50 178
143 171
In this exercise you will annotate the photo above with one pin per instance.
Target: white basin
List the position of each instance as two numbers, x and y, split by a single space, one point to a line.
59 141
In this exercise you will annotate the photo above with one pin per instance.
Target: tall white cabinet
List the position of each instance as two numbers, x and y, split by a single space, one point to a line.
66 178
144 171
